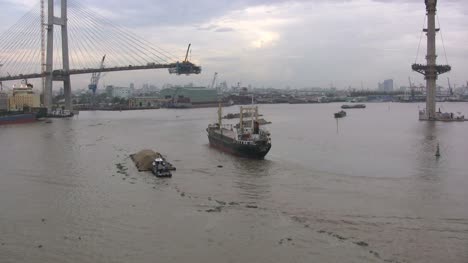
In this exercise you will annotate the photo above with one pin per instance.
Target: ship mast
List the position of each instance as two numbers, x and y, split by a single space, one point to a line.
431 70
220 113
220 108
251 113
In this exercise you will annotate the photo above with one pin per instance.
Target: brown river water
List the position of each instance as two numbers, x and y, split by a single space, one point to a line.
365 188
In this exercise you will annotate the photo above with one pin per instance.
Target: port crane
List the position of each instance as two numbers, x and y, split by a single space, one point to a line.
95 77
412 88
450 87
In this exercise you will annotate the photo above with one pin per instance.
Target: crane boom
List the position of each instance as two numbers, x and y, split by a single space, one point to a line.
214 80
186 54
450 87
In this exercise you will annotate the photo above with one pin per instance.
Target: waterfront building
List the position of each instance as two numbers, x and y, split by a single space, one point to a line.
120 92
3 101
109 90
386 86
196 95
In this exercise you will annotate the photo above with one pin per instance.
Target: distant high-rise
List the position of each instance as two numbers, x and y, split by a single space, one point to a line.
386 86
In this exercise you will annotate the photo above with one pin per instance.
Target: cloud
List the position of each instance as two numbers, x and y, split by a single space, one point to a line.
224 29
282 43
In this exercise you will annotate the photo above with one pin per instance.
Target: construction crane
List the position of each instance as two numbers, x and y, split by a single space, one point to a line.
95 77
186 54
450 87
185 67
412 88
214 80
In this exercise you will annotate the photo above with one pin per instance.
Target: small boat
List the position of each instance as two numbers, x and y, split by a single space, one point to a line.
355 106
60 113
340 114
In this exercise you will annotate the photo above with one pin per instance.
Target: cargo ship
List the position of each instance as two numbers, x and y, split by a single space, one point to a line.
22 117
244 140
14 118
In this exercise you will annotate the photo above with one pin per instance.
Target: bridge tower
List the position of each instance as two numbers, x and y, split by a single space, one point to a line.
431 70
62 21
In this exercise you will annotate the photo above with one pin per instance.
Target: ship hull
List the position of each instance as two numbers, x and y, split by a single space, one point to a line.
229 145
17 118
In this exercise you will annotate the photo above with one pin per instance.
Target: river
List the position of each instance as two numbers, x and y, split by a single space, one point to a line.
365 188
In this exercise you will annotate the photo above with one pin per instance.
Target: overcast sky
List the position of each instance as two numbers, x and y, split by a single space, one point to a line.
278 43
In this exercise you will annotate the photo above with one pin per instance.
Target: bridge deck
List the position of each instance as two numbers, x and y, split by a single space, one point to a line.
193 69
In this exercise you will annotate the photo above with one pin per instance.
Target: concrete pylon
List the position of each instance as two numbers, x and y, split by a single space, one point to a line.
431 72
64 76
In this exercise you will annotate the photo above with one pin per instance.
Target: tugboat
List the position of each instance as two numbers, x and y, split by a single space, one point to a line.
245 141
340 114
60 113
161 168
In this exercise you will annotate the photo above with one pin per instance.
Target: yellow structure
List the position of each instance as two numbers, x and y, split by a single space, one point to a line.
23 97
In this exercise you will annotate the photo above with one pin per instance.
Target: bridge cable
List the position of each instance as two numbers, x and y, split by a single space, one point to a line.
442 37
89 36
23 45
126 33
420 39
109 49
12 42
127 43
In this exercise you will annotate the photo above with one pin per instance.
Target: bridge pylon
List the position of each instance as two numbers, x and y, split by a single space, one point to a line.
431 70
62 21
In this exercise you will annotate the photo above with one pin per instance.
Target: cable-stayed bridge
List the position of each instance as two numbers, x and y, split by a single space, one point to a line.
44 45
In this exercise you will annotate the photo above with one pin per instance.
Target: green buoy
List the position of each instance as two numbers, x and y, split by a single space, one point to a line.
438 151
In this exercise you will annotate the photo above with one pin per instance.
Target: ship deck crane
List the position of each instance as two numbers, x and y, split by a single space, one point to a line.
96 77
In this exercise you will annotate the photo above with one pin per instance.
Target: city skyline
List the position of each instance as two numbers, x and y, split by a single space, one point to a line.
285 43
